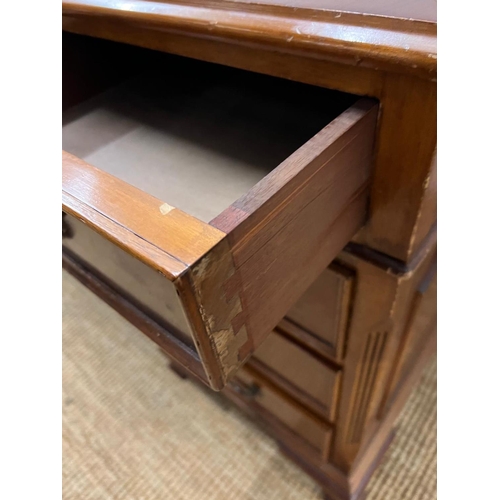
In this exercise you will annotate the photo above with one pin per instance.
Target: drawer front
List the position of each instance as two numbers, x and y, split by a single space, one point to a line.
231 279
288 412
298 372
320 317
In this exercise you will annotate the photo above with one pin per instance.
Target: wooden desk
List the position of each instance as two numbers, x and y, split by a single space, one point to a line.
220 155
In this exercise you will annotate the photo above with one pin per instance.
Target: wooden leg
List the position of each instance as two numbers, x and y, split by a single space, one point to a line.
328 495
178 370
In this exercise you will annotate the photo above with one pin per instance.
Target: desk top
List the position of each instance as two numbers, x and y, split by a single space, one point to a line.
389 35
423 10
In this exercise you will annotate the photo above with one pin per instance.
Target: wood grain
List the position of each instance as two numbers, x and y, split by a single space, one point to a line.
236 288
399 191
424 10
402 189
216 314
296 67
338 484
382 308
318 180
181 238
360 40
297 371
320 317
389 310
421 317
313 431
398 195
238 276
427 213
362 468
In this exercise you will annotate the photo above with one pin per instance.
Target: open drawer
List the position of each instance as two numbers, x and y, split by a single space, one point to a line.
202 201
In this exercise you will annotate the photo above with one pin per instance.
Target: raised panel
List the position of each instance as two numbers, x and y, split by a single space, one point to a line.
323 311
297 370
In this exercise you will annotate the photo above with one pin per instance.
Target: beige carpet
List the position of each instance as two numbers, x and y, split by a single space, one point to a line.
133 430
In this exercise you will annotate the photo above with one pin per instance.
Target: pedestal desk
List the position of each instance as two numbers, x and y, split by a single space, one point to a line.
252 184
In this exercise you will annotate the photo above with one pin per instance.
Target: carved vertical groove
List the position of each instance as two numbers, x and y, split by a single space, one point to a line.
365 382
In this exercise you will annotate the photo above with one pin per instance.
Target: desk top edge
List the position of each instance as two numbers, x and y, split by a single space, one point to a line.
375 40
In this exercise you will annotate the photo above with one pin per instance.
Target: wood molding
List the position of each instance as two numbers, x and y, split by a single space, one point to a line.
372 41
402 197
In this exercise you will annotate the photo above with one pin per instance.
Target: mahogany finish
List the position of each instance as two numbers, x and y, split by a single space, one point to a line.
357 38
338 345
391 58
310 379
269 398
320 318
382 306
235 277
178 350
423 10
386 353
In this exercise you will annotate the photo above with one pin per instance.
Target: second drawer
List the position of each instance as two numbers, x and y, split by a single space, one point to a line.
320 317
270 404
306 377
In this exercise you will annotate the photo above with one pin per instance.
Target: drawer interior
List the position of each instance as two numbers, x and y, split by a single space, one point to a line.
196 135
232 190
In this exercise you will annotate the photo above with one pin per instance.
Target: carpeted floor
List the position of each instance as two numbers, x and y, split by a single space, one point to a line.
133 430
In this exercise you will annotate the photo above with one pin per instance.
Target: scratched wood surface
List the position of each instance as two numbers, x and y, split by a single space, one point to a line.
152 226
391 58
238 275
423 10
375 50
306 195
360 39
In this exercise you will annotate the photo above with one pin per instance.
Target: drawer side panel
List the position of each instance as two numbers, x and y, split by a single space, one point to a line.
155 294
